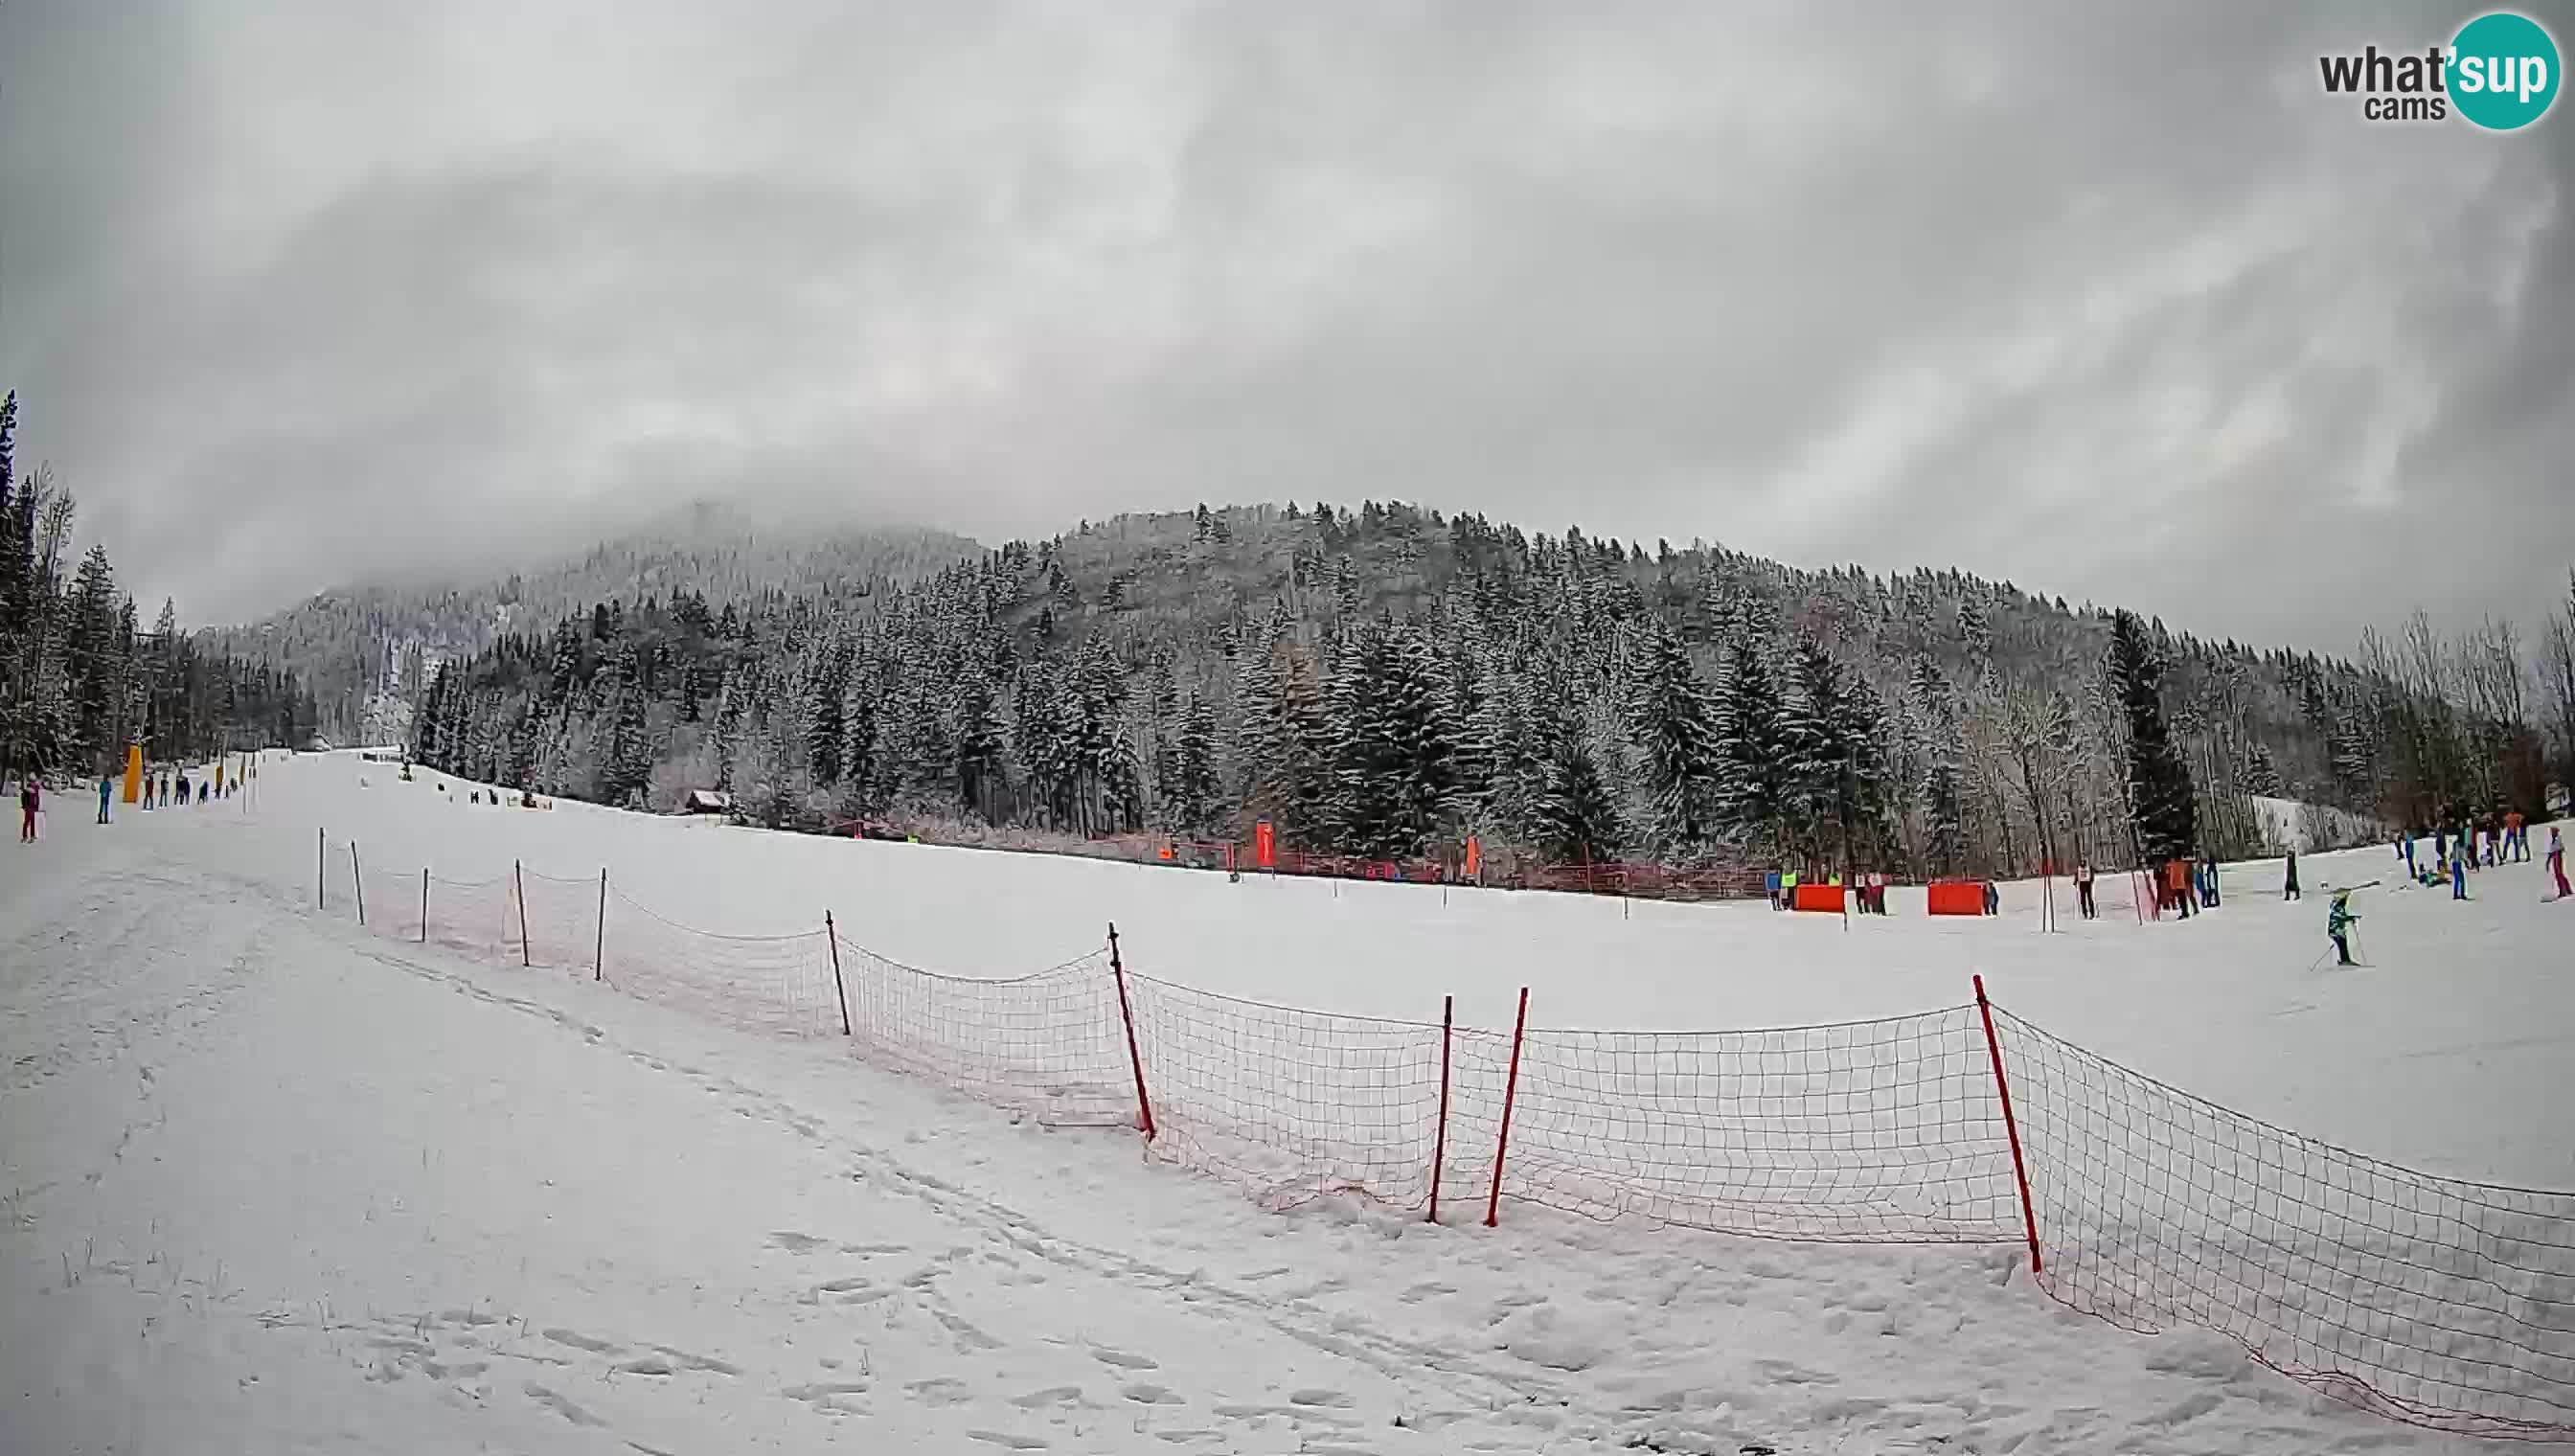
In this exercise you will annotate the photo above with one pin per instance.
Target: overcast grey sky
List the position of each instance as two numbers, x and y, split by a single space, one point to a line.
2108 300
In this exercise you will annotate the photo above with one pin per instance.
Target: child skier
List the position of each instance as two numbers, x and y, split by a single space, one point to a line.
2459 873
105 787
2557 861
30 802
2289 892
2338 922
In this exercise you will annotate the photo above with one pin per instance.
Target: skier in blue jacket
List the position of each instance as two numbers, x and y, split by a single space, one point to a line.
2338 922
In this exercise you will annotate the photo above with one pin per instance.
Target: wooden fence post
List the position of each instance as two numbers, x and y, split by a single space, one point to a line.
1511 1094
1134 1054
1439 1139
2011 1129
831 934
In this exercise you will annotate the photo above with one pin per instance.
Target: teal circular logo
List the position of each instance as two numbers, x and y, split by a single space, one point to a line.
2503 71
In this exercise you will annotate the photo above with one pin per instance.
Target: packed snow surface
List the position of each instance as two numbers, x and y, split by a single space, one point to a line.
268 1183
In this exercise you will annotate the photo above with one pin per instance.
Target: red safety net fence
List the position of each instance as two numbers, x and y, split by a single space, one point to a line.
2435 1301
1885 1132
1048 1044
1291 1104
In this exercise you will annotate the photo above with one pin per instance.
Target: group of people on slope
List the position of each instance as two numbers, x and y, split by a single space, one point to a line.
2461 845
1868 892
157 790
2187 885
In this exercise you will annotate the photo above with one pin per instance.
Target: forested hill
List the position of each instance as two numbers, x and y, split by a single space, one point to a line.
1384 680
368 651
81 680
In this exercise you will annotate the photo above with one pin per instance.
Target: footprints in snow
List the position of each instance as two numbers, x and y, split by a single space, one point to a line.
472 1350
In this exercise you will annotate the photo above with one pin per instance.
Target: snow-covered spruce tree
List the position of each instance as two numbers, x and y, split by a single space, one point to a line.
626 769
2166 823
1195 784
983 745
1573 819
1753 787
1392 772
1675 723
826 683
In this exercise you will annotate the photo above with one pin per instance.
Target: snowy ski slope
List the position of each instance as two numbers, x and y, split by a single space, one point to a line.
276 1185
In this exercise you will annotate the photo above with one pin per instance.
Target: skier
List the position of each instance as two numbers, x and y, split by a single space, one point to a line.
2410 871
2289 892
2516 837
2338 922
2557 861
2459 873
2210 871
105 787
30 802
2083 892
1994 898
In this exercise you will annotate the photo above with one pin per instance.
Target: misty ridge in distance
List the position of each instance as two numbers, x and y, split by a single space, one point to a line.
1382 681
350 641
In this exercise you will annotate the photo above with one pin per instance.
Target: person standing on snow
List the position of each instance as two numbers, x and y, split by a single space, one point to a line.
2410 871
2557 861
2338 922
2083 892
2289 892
104 788
30 800
2459 875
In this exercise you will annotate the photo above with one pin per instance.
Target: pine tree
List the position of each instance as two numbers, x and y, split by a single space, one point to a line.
827 684
1195 786
2166 816
1574 819
1753 788
426 747
1393 773
980 745
627 770
1675 727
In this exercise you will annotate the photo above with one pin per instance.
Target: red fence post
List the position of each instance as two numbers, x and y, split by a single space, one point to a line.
2011 1129
1135 1054
833 935
1511 1094
424 904
519 879
1440 1140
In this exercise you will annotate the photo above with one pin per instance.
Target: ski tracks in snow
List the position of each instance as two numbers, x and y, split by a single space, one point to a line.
276 1183
965 1300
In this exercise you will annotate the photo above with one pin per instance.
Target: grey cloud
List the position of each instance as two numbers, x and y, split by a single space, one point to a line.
2105 299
